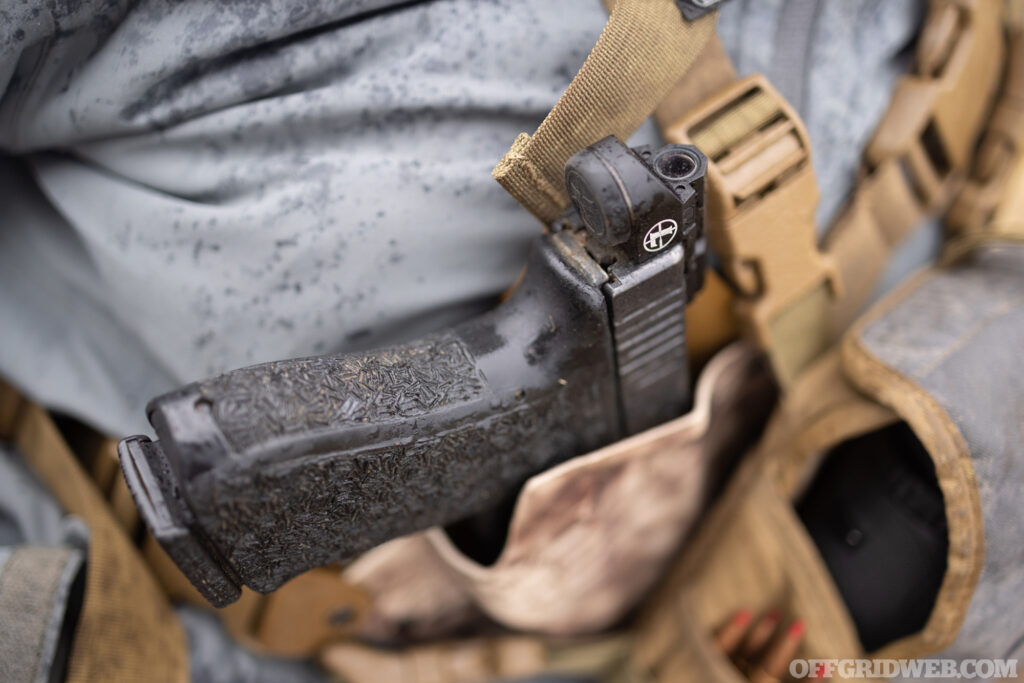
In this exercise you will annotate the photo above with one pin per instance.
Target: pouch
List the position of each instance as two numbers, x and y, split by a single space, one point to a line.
941 354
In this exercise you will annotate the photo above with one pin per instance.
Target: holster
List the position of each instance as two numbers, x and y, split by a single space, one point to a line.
587 538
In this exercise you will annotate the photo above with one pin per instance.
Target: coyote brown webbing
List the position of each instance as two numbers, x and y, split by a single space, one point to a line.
127 629
645 48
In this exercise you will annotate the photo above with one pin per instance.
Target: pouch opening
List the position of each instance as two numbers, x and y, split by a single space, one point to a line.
876 513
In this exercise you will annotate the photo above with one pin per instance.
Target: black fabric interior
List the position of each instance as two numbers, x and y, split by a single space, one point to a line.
876 513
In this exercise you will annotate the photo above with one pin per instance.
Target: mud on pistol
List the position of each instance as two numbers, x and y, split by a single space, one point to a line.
265 472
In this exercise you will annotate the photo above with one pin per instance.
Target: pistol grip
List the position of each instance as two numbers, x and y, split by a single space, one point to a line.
268 471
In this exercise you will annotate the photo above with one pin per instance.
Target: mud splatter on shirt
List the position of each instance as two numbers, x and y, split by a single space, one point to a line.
199 186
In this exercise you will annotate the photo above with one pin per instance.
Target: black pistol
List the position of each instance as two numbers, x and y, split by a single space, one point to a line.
265 472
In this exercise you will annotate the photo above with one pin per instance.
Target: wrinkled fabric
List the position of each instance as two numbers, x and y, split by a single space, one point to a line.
247 181
201 186
40 591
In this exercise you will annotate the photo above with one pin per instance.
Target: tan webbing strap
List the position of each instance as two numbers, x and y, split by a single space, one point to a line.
712 72
762 192
645 48
761 199
1013 16
918 156
35 584
127 629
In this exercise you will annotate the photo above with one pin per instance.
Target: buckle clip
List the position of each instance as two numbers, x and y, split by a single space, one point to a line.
998 154
935 114
762 195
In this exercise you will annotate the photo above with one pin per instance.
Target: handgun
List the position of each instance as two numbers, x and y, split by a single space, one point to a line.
262 473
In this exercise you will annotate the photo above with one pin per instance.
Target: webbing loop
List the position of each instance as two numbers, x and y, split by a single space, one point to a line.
646 47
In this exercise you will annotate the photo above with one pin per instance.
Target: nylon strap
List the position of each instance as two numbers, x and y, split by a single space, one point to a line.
977 211
793 299
923 148
127 630
34 586
645 48
1014 15
712 71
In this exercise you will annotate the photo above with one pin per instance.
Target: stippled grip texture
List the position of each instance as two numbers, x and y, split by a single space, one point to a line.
291 465
254 405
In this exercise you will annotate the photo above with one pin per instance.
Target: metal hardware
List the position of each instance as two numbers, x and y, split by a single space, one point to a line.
695 9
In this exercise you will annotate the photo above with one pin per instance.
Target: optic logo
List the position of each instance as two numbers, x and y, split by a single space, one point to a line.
660 236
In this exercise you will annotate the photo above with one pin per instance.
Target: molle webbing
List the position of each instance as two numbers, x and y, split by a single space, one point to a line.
795 298
918 158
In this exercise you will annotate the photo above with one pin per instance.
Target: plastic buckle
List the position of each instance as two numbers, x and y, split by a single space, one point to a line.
935 115
762 195
999 153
